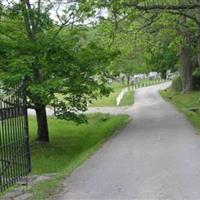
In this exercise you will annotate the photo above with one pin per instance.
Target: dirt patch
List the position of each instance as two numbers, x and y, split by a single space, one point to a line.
21 192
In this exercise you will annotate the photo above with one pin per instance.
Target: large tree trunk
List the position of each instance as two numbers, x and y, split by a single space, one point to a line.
186 68
42 124
197 11
198 47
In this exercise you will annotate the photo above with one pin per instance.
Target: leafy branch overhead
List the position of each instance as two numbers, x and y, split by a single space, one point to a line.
54 56
68 50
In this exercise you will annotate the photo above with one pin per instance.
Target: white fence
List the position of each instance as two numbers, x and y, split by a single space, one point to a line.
136 86
121 95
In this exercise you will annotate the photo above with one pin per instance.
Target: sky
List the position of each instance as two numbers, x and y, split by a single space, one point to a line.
59 7
53 13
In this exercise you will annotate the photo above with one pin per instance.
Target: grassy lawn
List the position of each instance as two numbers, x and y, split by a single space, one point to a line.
147 81
111 99
70 145
128 99
185 103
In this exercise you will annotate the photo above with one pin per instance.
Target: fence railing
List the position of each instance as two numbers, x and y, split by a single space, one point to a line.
14 139
133 87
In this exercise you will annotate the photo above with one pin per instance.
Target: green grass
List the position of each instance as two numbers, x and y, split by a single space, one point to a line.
147 81
184 103
109 101
70 145
128 99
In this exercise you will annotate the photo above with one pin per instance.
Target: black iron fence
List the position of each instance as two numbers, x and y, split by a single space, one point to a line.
14 139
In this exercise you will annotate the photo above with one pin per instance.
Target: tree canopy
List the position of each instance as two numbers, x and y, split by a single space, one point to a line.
53 58
73 47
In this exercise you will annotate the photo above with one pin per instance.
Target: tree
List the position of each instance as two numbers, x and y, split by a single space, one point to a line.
129 10
188 18
54 57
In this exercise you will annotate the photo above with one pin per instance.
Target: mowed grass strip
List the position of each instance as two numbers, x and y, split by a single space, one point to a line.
109 101
188 103
70 145
128 99
69 140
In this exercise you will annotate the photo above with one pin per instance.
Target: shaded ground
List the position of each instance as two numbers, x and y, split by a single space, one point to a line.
111 110
157 156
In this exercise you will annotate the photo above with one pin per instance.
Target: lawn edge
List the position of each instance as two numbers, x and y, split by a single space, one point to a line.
59 179
181 111
91 153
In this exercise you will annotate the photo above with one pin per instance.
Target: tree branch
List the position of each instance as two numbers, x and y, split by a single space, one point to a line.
185 15
162 7
27 20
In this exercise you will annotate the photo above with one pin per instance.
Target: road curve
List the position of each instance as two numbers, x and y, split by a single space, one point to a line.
156 156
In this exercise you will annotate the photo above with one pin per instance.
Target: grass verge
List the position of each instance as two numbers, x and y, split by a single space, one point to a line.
147 81
188 103
70 145
109 101
128 99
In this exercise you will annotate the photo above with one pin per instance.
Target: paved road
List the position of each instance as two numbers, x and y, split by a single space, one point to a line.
156 156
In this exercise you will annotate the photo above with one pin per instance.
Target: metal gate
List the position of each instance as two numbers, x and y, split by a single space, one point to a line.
14 139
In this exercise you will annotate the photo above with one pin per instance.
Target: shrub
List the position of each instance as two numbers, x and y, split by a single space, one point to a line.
196 79
177 84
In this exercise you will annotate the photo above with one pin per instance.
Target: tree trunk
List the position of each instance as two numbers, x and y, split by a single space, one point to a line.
128 79
197 11
198 47
186 68
42 124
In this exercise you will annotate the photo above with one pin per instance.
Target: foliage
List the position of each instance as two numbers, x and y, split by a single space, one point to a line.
165 27
196 79
131 60
177 84
64 64
76 51
163 58
110 100
53 57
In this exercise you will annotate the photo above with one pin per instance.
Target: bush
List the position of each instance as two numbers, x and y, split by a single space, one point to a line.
196 79
177 84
